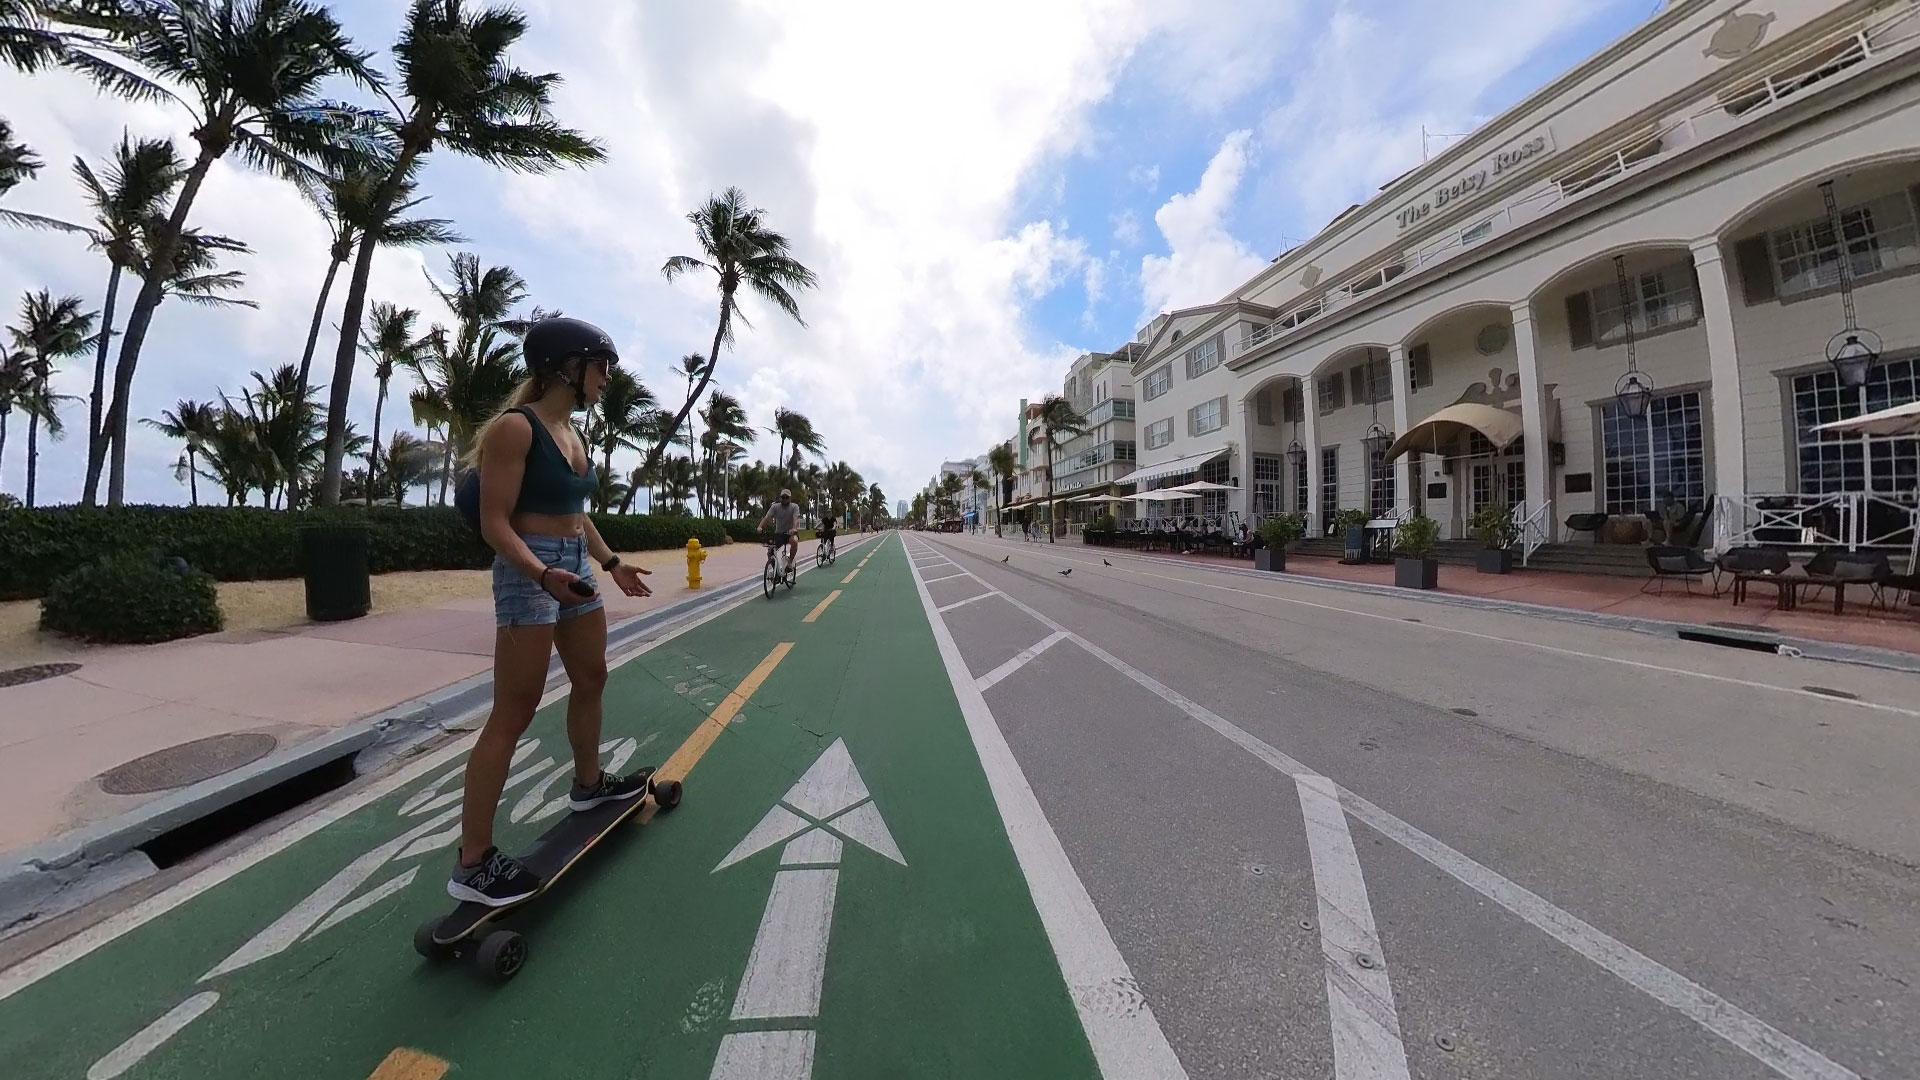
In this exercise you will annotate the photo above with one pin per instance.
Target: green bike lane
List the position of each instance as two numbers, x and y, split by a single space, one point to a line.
844 789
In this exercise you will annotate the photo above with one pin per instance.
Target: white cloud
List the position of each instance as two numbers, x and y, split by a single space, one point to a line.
1204 261
1144 176
1126 227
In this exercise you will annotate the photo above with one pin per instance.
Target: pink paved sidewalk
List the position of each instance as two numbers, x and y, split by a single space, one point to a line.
58 735
1898 629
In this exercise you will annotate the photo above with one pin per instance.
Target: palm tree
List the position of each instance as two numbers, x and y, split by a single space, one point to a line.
191 422
676 482
1059 422
690 367
48 330
127 207
1002 463
727 426
235 458
736 244
876 505
345 202
621 422
472 380
390 341
18 162
462 95
430 411
794 428
410 463
250 74
16 372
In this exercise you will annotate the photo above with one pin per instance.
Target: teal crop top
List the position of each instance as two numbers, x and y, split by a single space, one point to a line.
550 486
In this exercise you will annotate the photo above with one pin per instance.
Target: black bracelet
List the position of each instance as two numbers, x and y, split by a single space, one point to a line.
544 571
612 561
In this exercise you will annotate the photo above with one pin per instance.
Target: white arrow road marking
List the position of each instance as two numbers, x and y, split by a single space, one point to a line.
129 1053
788 962
364 901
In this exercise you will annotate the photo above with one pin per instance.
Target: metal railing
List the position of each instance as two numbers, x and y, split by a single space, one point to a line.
1531 528
1844 52
1850 520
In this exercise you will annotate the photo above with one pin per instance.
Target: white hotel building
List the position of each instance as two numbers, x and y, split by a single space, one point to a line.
1658 208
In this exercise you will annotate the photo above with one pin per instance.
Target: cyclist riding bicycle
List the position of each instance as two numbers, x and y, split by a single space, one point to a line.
783 515
826 533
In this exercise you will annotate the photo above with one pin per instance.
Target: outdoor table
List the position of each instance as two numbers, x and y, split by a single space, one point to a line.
1787 582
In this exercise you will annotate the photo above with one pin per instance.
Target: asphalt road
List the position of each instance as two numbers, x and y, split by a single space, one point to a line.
1553 850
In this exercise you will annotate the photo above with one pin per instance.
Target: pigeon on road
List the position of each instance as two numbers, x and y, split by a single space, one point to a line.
1104 562
1009 558
1067 571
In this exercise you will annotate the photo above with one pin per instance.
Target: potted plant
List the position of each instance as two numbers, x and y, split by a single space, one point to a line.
1414 566
1493 527
1278 530
1351 525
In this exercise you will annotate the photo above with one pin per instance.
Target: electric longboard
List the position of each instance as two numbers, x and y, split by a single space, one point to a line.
501 952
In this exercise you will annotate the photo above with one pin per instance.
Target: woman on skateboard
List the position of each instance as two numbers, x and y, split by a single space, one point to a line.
530 478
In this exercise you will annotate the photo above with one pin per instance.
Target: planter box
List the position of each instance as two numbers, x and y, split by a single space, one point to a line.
1272 559
1416 573
1493 560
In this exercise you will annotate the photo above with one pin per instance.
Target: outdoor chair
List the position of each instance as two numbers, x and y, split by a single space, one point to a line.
1587 523
1831 569
1669 563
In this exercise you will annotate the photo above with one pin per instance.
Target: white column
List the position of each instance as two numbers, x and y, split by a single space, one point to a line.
1244 467
1533 410
1405 471
1310 438
1728 420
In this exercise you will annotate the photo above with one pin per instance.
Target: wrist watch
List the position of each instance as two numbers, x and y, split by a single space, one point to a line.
612 561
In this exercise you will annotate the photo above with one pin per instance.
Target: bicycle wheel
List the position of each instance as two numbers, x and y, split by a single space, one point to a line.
793 572
768 579
820 555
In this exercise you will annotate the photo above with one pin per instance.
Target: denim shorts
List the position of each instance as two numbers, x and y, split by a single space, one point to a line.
518 600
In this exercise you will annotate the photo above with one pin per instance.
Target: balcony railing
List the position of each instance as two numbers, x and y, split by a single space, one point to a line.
1846 52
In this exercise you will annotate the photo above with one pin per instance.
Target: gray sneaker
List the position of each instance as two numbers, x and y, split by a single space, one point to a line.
497 880
611 788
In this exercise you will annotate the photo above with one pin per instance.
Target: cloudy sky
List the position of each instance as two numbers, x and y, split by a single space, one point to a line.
985 190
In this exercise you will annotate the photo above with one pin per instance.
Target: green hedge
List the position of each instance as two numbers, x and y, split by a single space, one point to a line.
131 598
250 543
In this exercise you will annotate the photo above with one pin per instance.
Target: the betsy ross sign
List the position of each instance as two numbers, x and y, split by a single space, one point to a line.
1481 176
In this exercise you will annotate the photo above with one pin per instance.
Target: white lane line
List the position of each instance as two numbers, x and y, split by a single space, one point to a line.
765 1055
1439 628
1366 1027
1127 1042
1779 1051
373 896
52 959
1019 660
789 957
963 603
944 577
129 1053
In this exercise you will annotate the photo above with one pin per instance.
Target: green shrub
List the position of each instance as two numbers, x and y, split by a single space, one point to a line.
251 543
1415 537
131 599
1493 526
1348 519
745 530
1279 530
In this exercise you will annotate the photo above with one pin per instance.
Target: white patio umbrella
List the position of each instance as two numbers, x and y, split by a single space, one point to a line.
1202 486
1899 420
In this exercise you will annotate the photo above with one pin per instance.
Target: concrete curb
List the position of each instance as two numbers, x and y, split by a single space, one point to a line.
79 866
1863 655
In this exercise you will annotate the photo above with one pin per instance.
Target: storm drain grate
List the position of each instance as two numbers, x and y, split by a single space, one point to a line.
1731 641
1828 691
21 676
188 763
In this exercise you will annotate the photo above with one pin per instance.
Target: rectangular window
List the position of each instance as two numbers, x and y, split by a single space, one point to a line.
1829 462
1268 473
1290 409
1658 299
1123 451
1653 457
1159 433
1158 382
1203 358
1880 236
1122 408
1329 482
1379 484
1372 381
1300 484
1263 408
1329 391
1208 416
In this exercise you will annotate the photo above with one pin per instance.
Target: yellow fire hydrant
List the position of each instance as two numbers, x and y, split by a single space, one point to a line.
695 556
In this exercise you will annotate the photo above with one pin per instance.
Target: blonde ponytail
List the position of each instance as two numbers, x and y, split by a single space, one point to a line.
529 391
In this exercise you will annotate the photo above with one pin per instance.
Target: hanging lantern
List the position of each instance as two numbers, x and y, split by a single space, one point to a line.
1296 454
1632 394
1377 440
1852 351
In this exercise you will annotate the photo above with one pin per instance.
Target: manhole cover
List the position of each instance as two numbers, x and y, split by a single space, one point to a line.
188 763
21 676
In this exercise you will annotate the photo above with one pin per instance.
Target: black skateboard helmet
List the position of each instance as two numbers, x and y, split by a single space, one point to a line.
550 343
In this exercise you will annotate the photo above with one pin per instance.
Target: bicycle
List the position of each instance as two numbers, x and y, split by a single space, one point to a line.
779 569
825 552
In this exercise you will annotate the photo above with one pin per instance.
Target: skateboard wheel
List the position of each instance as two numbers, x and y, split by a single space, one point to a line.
501 954
424 944
666 794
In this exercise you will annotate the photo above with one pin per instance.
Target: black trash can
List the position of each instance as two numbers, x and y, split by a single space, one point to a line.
333 559
1356 544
